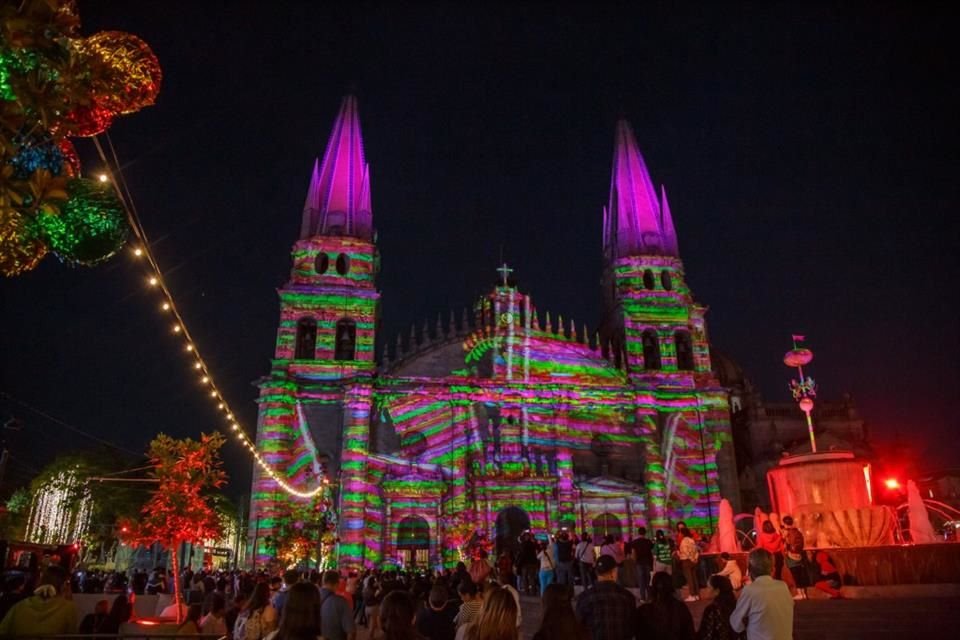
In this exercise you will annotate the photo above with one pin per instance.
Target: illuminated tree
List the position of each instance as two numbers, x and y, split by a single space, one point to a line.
180 509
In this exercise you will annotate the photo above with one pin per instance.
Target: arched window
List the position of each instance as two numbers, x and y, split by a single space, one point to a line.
345 347
606 524
666 281
684 350
343 264
651 350
322 263
306 345
648 281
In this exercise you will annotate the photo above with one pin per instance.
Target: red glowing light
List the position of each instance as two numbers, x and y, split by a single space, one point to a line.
892 483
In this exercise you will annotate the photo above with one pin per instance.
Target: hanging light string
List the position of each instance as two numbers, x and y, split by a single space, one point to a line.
141 251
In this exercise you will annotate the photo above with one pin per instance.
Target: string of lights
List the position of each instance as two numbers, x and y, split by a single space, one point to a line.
140 251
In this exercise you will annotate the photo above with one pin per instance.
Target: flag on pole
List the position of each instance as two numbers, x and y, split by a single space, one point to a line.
800 338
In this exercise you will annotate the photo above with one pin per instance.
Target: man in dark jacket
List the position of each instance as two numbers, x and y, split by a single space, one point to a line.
435 619
607 609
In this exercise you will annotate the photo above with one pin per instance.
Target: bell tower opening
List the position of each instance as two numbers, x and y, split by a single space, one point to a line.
306 345
346 340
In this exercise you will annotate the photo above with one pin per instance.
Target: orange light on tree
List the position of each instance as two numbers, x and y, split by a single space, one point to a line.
180 509
892 483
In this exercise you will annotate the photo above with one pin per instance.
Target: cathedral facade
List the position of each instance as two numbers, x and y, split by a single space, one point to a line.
503 420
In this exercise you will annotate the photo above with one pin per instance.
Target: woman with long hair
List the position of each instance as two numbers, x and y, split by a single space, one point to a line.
300 616
120 612
497 620
665 618
258 617
715 624
559 621
771 540
397 613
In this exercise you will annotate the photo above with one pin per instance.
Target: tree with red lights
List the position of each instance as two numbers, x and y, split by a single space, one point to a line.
180 509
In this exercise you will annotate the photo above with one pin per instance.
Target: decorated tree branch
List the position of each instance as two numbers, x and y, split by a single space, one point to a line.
54 85
181 509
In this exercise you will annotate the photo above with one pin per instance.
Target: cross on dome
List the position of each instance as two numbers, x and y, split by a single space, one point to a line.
505 272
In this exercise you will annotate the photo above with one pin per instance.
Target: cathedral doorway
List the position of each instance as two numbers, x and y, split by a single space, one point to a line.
511 522
413 542
606 524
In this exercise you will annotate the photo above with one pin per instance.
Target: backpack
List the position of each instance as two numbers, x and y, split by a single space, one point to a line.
564 551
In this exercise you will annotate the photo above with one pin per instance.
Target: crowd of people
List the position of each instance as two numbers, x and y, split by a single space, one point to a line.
632 589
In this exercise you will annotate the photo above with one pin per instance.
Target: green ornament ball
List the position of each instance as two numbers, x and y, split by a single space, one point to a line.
90 228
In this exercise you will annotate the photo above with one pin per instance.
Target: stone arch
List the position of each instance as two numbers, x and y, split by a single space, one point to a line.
606 524
305 346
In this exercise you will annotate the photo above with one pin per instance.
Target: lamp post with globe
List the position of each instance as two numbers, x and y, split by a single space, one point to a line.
804 390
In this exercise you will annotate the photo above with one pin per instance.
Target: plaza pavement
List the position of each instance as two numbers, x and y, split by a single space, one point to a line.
901 617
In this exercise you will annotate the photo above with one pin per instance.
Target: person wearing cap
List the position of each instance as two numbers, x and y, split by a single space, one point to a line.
607 609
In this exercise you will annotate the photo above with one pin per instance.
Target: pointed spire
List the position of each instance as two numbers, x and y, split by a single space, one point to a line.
338 200
398 348
549 324
633 224
666 224
438 329
573 330
560 324
536 319
452 324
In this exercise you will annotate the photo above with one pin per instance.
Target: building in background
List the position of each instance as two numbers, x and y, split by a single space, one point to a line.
501 420
764 432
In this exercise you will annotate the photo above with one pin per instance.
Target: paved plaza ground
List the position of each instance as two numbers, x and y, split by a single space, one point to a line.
905 618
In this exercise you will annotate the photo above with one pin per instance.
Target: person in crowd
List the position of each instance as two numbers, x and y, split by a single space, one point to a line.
258 617
233 611
585 559
290 578
472 601
214 622
335 612
664 617
191 625
300 617
794 557
662 553
715 623
606 609
397 613
528 563
689 556
372 596
828 578
731 571
642 548
121 611
92 622
156 584
564 558
611 548
770 540
435 618
765 608
46 612
548 565
559 622
497 619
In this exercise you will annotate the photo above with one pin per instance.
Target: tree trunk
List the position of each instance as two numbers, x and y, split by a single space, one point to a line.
175 552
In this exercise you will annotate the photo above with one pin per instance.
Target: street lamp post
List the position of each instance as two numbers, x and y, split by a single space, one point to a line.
804 390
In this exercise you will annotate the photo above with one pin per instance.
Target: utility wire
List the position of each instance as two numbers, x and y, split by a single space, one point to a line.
66 425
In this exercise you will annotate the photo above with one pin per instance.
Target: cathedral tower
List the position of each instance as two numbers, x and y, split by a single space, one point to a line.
651 325
314 406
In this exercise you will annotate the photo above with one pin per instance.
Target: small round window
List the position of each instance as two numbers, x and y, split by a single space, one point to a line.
322 263
648 281
666 280
343 264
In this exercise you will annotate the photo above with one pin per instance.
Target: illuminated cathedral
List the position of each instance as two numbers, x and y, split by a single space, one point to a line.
504 419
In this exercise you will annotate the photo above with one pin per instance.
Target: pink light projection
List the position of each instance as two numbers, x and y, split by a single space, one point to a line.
509 412
635 223
338 200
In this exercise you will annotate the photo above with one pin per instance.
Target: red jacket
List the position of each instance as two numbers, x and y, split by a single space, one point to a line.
772 542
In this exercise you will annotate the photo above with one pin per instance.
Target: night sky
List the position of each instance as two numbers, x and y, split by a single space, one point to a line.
810 157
